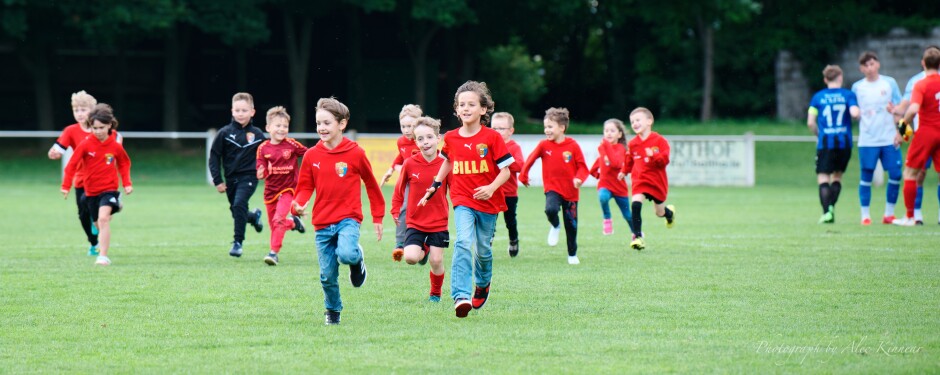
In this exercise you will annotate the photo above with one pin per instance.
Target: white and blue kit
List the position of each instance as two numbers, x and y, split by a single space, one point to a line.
876 138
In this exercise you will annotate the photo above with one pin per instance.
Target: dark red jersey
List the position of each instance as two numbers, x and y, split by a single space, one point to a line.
418 173
477 160
561 164
280 166
648 172
406 148
101 162
607 166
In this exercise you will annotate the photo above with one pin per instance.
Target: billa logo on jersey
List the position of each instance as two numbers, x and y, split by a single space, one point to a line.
341 169
567 156
482 150
286 154
108 159
250 137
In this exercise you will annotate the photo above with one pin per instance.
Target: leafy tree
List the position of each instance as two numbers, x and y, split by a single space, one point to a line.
515 76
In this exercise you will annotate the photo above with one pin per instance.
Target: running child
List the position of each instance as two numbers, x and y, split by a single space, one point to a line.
234 149
277 165
611 154
479 161
925 103
427 235
332 170
646 161
503 123
72 136
406 148
102 158
563 172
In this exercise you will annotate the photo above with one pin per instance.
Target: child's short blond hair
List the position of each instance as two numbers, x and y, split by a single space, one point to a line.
412 110
278 111
505 115
83 99
643 110
831 72
559 115
244 96
335 107
430 122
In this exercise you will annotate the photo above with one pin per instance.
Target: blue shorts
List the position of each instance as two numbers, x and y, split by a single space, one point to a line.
890 158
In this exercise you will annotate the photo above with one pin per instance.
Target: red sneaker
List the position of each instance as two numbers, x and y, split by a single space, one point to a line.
397 254
462 307
479 296
889 219
866 221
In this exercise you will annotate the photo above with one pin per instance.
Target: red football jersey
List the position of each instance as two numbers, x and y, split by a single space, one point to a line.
102 162
607 166
72 136
511 187
648 173
419 174
280 166
477 160
561 164
927 94
406 148
334 175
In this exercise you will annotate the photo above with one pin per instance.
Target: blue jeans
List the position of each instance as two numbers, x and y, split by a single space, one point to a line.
337 243
473 228
604 195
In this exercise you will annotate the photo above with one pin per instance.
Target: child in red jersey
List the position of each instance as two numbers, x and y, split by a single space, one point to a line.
72 135
277 165
333 169
427 235
925 104
563 172
503 123
647 158
479 161
102 157
406 148
610 158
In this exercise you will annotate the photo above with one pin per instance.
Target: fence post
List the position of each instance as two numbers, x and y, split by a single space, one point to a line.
210 136
750 158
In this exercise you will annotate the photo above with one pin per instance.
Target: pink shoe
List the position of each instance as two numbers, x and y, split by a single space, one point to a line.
608 227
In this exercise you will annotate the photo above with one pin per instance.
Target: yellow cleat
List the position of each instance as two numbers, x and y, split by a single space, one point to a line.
638 244
670 222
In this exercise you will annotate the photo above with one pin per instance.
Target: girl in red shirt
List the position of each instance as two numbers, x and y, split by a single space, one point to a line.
610 158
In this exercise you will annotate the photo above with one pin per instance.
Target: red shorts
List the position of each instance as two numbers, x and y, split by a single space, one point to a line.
925 145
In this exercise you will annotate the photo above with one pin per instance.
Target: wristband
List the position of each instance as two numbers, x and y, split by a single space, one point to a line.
434 185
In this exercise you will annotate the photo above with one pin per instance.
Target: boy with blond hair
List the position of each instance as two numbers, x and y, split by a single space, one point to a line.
503 123
234 149
406 148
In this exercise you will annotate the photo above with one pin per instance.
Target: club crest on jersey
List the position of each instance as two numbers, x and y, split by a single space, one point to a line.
341 169
655 149
108 159
567 156
286 154
250 137
482 150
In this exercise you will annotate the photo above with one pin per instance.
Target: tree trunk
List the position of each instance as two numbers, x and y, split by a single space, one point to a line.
120 78
42 83
298 60
171 85
707 33
614 62
360 121
241 69
419 59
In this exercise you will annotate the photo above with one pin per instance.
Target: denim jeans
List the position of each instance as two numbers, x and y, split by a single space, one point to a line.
473 251
337 243
604 195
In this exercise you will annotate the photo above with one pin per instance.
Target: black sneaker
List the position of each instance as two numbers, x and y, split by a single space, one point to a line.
479 296
357 272
513 248
271 259
427 251
236 250
332 317
256 220
298 224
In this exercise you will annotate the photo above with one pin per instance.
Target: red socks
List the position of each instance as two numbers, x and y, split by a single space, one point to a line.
436 282
910 194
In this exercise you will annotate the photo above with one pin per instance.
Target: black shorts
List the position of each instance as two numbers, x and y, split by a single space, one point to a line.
650 198
832 160
108 198
436 239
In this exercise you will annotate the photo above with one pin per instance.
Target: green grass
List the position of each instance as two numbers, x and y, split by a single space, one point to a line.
745 275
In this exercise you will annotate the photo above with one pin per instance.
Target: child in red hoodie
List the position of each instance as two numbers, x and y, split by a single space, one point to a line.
427 235
610 156
102 158
563 172
503 123
333 169
406 148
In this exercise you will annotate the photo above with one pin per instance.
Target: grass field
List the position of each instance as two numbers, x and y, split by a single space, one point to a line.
747 282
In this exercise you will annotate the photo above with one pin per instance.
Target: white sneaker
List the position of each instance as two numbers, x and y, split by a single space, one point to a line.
574 260
103 261
904 222
553 235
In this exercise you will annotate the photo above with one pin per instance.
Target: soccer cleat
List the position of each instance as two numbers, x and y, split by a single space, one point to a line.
608 227
867 221
827 218
103 261
573 259
832 214
256 220
887 219
236 250
427 252
918 222
513 248
905 222
462 307
357 272
398 253
638 243
479 296
298 224
93 251
671 221
271 259
433 298
553 235
332 317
